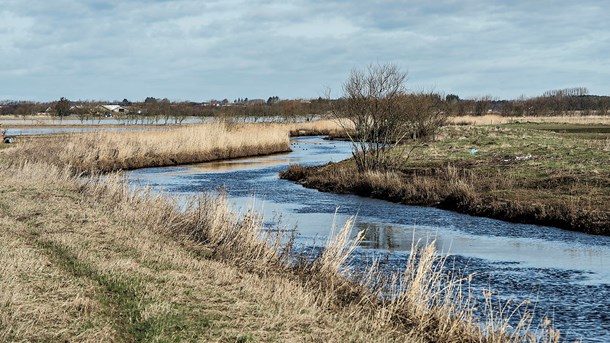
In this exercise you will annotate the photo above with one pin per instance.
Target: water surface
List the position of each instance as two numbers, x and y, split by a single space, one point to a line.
568 273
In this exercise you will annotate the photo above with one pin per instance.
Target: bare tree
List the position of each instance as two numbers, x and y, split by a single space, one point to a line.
372 103
378 115
87 110
25 109
482 105
425 114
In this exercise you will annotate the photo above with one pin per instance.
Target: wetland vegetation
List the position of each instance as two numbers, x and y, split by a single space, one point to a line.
85 257
88 257
112 151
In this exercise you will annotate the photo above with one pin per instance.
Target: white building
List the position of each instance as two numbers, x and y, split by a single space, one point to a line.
114 108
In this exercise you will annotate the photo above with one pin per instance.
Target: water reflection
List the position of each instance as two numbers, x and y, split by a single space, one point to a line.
237 164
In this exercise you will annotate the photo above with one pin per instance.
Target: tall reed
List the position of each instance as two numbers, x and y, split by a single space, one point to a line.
494 119
110 151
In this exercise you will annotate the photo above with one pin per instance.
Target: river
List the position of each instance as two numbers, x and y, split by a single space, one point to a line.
566 274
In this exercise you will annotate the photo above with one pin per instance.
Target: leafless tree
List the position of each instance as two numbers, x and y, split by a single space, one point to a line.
425 113
378 115
482 105
62 108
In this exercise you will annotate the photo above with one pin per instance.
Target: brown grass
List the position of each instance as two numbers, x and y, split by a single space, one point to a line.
110 151
325 127
394 186
494 119
78 254
456 189
91 260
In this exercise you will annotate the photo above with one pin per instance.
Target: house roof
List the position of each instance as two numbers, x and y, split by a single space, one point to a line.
111 107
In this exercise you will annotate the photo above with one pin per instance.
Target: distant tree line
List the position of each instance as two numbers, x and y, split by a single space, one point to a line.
155 110
554 102
575 100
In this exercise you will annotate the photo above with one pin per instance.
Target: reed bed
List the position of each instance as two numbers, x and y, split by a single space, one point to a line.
563 119
326 127
111 151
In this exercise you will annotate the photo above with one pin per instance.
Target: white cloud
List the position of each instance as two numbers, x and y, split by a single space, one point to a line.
215 49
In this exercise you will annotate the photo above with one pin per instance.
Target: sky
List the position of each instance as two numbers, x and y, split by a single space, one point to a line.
202 50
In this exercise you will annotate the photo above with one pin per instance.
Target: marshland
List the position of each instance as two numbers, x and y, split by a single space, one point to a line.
186 231
263 179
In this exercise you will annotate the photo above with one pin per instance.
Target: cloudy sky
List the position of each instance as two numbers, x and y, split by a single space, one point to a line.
201 50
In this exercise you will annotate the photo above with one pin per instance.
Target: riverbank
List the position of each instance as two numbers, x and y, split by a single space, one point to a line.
110 151
548 174
83 263
94 261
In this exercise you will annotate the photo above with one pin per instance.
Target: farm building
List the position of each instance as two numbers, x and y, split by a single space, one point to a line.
114 108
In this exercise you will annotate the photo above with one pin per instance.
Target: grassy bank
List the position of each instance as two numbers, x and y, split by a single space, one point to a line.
325 127
88 260
110 151
549 174
95 263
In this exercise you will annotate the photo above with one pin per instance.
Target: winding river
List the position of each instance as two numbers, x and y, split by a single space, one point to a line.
566 274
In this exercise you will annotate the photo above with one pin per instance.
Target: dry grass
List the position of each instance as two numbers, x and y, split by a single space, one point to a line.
494 119
564 119
96 261
488 119
325 127
394 186
110 151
